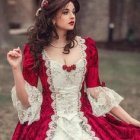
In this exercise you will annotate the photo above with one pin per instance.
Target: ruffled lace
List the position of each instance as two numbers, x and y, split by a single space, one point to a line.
105 101
31 113
71 130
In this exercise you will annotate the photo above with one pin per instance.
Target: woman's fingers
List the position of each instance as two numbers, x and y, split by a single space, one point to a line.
17 50
14 53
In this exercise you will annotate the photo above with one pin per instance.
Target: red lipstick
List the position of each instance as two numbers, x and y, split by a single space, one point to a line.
71 23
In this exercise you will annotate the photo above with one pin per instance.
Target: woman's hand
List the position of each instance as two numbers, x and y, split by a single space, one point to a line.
14 58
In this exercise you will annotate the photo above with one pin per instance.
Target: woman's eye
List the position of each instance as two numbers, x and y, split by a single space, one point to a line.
65 13
74 12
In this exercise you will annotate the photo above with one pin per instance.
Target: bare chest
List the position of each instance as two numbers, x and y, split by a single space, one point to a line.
69 59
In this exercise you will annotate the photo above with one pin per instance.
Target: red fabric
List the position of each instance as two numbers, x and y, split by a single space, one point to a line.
92 76
29 75
106 128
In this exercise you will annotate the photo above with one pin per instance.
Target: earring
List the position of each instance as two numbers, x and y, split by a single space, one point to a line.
54 23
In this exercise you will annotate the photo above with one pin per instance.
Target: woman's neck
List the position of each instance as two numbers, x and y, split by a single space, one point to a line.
62 39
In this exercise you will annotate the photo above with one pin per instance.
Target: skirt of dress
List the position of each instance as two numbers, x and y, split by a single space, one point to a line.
105 128
71 130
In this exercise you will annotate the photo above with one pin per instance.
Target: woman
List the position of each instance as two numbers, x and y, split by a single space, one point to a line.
73 104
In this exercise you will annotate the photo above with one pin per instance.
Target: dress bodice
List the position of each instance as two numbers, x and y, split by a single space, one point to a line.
66 86
63 80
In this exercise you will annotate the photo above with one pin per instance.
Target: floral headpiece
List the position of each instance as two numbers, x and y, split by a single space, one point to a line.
44 4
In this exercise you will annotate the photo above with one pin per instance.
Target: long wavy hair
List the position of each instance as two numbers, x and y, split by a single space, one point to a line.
43 31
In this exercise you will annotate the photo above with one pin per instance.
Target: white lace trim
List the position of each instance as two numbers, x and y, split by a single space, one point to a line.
86 126
105 101
31 113
54 117
53 124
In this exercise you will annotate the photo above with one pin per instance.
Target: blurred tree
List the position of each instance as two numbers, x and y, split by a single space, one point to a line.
4 35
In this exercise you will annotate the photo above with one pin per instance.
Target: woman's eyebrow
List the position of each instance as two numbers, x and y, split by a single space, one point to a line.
68 9
65 8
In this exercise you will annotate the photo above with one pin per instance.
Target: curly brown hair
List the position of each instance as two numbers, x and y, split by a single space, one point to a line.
43 31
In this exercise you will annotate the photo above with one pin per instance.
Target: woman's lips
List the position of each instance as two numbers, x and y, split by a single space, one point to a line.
71 23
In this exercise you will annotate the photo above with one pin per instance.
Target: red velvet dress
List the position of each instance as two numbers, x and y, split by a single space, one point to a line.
65 109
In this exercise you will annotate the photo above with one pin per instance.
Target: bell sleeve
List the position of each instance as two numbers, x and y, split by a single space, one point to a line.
101 98
32 113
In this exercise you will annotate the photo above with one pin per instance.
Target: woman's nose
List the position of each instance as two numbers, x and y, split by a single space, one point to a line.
72 15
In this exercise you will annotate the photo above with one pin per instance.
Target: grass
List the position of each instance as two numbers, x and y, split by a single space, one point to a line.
120 70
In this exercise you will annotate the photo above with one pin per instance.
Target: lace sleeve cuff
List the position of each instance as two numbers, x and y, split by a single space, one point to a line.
106 100
31 113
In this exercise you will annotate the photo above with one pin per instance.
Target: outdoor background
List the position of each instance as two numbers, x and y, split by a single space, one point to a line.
114 25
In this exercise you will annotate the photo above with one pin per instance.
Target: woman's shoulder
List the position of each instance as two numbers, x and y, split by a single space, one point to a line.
28 58
27 53
91 51
89 40
26 49
90 45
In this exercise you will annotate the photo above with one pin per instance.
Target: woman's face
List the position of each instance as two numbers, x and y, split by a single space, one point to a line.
65 18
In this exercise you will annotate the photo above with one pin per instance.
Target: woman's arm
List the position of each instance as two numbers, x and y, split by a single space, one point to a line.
20 86
102 99
116 111
120 113
26 97
14 58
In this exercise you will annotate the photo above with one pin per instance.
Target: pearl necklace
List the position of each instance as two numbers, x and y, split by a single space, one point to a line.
57 47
